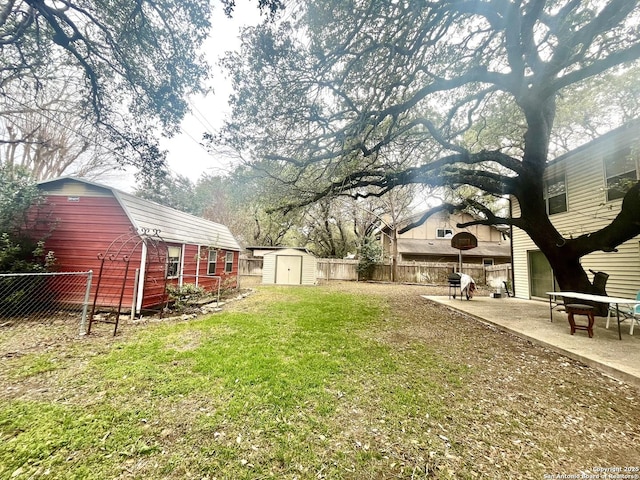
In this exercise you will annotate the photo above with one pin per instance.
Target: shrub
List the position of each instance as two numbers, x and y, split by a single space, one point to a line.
370 255
19 253
185 295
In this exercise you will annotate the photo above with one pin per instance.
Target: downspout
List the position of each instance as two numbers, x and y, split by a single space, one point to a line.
181 275
513 270
143 274
198 266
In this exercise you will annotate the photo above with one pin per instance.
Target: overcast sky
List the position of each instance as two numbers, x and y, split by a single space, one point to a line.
186 156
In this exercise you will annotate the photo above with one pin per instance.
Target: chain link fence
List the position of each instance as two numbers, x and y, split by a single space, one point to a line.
41 309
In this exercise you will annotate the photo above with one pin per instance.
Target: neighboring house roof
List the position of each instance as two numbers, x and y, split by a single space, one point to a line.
416 216
630 128
289 251
254 248
410 246
173 225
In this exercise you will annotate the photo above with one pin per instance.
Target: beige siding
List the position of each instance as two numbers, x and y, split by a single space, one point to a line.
309 269
428 230
521 245
269 270
588 211
76 189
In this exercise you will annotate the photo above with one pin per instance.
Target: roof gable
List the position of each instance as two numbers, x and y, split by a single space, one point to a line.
627 133
443 247
289 251
172 225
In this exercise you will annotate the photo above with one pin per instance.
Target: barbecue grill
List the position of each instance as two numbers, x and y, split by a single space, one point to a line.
454 284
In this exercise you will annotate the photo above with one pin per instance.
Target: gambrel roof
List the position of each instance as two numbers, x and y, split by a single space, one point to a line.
172 225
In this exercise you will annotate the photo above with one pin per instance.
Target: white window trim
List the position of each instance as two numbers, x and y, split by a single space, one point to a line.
446 233
177 263
632 151
209 262
227 262
547 182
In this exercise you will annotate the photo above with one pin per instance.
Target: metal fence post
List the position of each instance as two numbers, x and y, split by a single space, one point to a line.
85 305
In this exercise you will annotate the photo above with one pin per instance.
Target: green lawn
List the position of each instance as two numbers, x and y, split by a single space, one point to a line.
288 383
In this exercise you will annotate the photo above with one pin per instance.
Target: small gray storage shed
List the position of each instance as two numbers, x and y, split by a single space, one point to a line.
289 267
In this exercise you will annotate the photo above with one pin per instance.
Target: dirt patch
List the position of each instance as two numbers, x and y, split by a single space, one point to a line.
519 402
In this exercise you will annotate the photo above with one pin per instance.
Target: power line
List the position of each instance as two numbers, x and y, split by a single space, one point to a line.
208 127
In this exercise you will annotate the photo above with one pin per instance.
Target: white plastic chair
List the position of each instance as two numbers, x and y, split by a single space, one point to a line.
632 314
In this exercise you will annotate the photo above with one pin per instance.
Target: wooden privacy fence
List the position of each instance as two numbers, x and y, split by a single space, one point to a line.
428 273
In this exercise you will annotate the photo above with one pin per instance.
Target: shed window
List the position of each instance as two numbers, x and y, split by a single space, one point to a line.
211 262
228 262
173 261
621 172
444 233
555 194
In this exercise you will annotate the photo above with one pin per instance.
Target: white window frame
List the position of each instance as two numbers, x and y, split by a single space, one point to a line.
228 262
488 262
212 262
444 233
173 261
556 179
629 152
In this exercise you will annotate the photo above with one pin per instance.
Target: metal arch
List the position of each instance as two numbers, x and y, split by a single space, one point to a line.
122 248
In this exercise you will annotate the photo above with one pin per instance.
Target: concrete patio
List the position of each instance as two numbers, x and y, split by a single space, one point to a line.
530 319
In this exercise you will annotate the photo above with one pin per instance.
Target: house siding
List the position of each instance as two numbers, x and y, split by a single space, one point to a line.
588 211
82 229
81 221
269 269
421 244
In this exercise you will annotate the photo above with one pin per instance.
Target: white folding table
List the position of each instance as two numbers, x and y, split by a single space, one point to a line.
617 301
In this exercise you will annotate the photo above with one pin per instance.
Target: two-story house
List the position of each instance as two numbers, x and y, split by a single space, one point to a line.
583 192
431 241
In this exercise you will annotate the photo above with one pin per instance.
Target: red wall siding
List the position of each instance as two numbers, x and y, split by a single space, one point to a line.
80 231
85 228
196 268
154 285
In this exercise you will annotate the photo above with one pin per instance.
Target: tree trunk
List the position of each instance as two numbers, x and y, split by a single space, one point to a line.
394 254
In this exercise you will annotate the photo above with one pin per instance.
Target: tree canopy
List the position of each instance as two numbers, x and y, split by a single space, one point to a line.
132 63
361 97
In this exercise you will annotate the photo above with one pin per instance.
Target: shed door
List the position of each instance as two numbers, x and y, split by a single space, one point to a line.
289 269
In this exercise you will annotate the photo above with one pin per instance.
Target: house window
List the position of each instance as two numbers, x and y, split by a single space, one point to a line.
444 233
621 172
228 262
211 262
487 262
555 194
173 261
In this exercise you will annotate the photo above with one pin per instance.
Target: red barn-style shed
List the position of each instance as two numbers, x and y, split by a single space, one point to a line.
134 246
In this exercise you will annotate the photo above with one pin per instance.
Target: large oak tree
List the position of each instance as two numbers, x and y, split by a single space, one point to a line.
361 97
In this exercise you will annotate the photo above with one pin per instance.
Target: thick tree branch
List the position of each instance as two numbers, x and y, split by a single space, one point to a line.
624 227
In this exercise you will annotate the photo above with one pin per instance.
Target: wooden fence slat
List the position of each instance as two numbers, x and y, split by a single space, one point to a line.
427 273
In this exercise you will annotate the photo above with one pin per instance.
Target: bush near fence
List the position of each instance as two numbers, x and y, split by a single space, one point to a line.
329 269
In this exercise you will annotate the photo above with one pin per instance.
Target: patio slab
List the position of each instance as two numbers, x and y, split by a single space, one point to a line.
530 319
